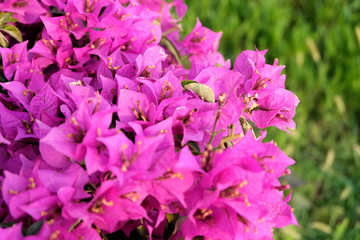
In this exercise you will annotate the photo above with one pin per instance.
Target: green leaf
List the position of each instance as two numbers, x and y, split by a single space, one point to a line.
6 17
185 82
34 228
2 76
57 12
3 41
194 147
142 232
341 229
172 49
98 29
170 217
203 91
12 31
185 61
6 224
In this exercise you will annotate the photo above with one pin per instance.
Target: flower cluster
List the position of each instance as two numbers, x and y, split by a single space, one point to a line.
113 126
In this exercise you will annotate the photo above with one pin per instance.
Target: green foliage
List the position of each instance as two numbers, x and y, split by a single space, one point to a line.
185 82
319 42
202 90
172 49
34 228
5 19
6 224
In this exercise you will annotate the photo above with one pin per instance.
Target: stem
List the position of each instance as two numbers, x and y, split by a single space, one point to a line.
246 126
172 49
213 131
75 225
177 27
92 186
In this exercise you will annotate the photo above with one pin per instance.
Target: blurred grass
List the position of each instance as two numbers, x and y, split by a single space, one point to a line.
319 42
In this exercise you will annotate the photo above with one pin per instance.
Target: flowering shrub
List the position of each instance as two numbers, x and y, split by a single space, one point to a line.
112 127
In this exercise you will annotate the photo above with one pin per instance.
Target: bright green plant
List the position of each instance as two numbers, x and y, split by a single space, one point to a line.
6 27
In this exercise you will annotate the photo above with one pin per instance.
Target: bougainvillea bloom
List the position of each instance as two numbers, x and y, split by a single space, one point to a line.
113 127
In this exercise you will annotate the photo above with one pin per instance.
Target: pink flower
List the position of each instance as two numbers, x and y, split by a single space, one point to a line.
201 40
110 199
14 58
67 139
26 11
13 232
104 132
276 108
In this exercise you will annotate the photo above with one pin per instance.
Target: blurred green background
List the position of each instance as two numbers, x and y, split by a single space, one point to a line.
319 42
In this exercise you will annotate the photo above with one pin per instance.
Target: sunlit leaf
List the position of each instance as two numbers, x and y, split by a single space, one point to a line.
6 17
12 31
185 82
172 49
3 41
246 126
203 91
340 230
